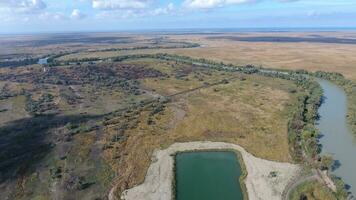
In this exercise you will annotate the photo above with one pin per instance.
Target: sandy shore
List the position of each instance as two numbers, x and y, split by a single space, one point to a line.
260 185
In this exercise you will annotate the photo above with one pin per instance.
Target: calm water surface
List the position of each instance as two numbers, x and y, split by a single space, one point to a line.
42 61
208 176
337 138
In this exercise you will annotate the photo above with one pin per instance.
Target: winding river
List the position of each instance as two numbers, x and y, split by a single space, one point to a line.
337 139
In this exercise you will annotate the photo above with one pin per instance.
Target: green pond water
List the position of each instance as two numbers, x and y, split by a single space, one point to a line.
208 176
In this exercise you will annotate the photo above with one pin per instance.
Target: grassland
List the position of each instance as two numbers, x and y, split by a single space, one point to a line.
81 127
313 55
116 132
238 113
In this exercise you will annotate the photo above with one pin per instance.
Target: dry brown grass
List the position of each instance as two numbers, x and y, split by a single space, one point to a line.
17 107
293 55
310 56
243 112
252 113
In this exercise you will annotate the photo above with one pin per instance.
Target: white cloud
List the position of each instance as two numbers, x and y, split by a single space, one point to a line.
23 6
203 3
49 15
130 8
164 10
122 14
120 4
287 0
77 14
208 4
21 10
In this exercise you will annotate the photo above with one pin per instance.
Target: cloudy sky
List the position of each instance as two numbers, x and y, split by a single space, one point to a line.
24 16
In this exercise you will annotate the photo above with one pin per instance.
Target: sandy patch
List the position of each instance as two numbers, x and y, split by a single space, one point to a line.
260 185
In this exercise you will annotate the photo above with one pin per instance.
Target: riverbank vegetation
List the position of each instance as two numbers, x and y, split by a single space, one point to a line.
302 132
326 162
312 190
17 63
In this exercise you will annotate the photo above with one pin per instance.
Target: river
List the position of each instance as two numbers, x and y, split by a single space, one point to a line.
42 61
208 176
337 139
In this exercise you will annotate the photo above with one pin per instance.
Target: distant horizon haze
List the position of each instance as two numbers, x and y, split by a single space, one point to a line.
194 30
51 16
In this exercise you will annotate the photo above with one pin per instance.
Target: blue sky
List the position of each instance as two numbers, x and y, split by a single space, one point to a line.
23 16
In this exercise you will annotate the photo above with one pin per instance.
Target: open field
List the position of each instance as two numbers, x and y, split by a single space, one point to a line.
228 119
319 51
81 127
87 125
22 50
312 55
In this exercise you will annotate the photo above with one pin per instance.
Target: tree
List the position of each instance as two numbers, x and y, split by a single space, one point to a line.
326 162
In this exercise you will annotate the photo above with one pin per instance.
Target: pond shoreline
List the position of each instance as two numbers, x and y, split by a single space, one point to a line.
159 179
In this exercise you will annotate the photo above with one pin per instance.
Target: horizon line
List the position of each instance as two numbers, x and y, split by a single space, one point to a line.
194 30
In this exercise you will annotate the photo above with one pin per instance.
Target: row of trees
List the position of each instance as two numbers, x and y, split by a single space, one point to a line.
17 63
303 135
175 46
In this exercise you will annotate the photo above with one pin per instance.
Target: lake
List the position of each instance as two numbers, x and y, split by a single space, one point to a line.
208 176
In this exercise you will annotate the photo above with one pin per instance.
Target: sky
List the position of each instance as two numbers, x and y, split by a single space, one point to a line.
36 16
